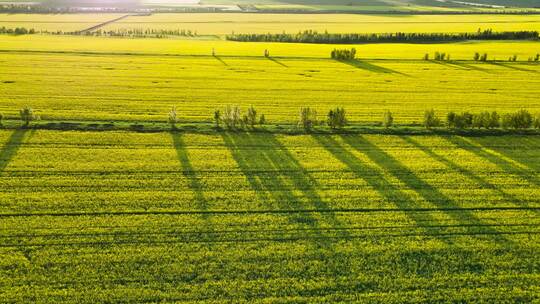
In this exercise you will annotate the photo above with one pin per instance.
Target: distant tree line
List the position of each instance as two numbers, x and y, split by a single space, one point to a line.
138 33
16 31
311 36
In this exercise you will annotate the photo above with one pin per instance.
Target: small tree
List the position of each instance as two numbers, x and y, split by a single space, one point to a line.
231 116
262 120
494 119
430 119
506 121
476 56
451 120
523 119
217 118
484 57
308 118
388 119
173 117
426 56
252 117
536 122
537 57
1 118
27 115
337 118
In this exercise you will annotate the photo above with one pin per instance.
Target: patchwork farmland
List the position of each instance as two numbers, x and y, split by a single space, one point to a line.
118 182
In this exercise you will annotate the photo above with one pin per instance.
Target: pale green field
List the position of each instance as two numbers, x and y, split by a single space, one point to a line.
65 80
223 24
54 22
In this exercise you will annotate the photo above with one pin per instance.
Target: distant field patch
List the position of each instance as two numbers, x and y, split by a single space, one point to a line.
224 24
54 22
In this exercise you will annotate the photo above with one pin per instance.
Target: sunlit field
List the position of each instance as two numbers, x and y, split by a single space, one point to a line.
83 78
120 182
263 218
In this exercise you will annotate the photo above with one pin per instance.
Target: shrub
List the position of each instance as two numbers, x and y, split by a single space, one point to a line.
173 117
252 117
1 118
262 120
537 57
430 119
388 119
231 116
337 118
426 56
476 56
217 118
308 118
27 115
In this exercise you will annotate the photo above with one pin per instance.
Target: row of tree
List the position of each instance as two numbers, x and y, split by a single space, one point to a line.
16 31
232 118
521 119
139 33
311 36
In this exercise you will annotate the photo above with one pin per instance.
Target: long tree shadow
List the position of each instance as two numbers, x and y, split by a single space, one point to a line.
482 152
376 180
274 60
512 67
514 152
364 65
480 181
276 176
429 193
471 67
449 64
194 182
11 146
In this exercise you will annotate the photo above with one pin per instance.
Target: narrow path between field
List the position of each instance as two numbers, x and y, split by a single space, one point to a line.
95 27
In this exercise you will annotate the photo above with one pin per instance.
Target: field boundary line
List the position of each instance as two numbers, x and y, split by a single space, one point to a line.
283 211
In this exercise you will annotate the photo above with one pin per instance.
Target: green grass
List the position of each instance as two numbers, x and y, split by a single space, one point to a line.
118 216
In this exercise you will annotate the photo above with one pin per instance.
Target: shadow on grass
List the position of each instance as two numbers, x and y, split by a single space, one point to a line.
429 193
364 65
506 165
11 146
220 60
189 173
277 62
481 182
376 180
512 67
276 176
471 67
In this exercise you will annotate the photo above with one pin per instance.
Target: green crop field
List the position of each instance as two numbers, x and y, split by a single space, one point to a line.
121 190
115 216
84 78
